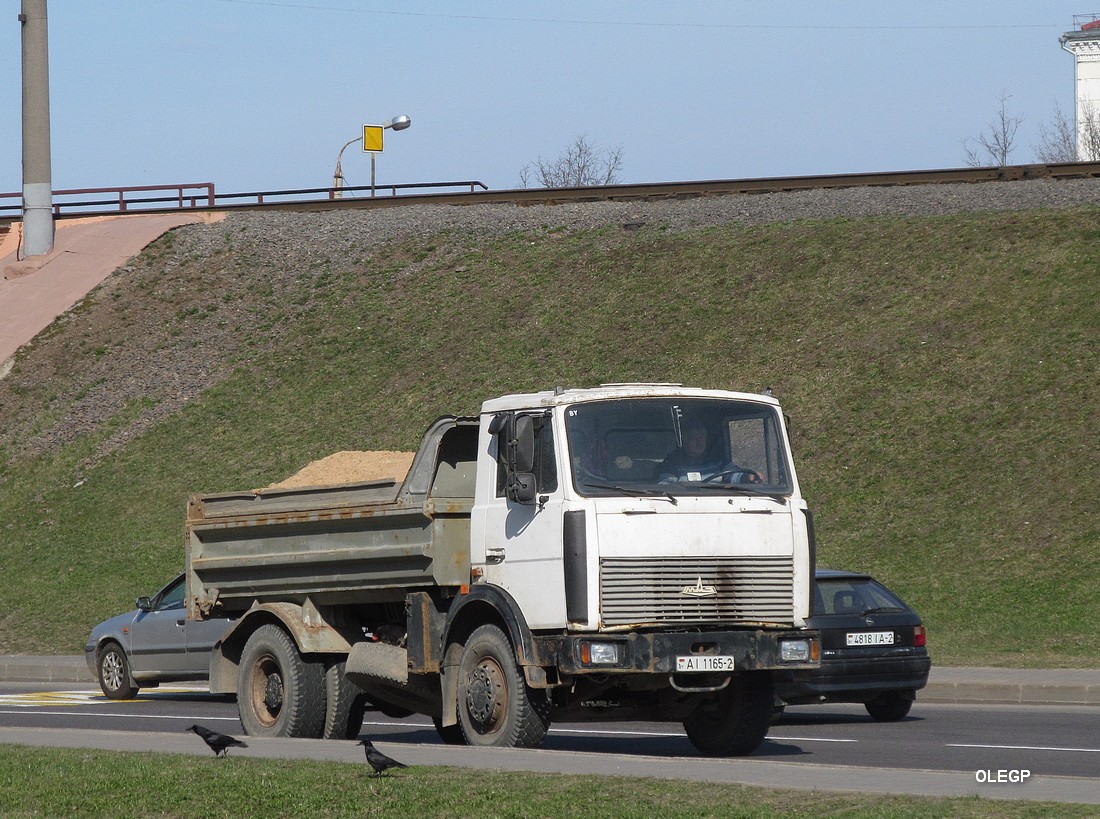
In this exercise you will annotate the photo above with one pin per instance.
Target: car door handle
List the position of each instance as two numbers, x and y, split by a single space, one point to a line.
494 554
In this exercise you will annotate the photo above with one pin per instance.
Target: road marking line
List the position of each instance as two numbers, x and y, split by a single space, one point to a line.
116 715
1025 748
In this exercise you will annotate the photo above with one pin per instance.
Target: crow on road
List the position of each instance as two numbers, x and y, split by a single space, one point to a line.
378 760
219 743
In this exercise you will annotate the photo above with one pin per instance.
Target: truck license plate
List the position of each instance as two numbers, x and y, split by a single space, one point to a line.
870 638
710 662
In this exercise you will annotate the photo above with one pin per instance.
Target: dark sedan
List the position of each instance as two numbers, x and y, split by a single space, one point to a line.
152 644
872 649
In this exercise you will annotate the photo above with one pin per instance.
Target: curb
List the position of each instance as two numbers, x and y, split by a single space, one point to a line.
29 668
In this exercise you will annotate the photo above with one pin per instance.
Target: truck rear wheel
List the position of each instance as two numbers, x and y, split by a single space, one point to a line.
734 721
345 705
279 694
495 706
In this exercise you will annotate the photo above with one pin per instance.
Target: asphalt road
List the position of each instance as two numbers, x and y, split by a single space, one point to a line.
941 749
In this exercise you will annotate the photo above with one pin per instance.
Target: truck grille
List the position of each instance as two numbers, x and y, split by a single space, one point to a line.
652 590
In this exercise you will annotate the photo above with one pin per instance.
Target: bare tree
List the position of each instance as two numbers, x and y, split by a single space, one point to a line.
581 165
1062 142
1057 142
1088 134
994 145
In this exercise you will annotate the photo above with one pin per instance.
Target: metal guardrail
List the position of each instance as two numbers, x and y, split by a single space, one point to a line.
91 201
185 196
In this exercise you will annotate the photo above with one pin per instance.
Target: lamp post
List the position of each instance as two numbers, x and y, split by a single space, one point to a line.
399 123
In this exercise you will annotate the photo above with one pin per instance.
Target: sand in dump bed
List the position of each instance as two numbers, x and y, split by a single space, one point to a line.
350 467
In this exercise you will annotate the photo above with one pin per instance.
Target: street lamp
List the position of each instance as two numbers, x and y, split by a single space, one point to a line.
398 123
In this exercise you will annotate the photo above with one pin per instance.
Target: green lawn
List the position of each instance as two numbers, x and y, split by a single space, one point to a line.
83 783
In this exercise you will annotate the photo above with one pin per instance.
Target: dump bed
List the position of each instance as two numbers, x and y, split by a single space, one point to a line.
359 542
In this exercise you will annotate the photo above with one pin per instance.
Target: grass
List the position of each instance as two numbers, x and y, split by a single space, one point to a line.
84 783
942 377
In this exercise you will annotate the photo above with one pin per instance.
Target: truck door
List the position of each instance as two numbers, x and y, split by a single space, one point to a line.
523 539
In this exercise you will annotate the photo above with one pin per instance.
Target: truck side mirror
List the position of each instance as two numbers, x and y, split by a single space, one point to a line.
523 488
524 457
516 436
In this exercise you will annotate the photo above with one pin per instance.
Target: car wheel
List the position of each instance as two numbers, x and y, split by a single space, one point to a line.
495 706
114 673
735 720
279 694
891 706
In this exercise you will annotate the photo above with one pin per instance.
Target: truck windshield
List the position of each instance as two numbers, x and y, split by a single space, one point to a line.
676 446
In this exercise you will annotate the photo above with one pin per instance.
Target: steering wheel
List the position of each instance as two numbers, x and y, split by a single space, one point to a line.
750 476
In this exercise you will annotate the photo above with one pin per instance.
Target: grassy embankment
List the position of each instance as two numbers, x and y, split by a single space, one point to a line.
941 374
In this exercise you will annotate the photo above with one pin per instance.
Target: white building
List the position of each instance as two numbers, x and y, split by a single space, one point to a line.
1084 44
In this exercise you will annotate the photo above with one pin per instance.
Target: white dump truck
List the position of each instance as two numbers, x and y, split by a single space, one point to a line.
625 552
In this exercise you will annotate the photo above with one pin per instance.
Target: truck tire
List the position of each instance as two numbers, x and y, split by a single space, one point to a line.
114 673
278 693
345 705
495 706
735 720
450 734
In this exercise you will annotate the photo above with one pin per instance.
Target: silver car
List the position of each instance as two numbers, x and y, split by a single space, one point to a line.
152 644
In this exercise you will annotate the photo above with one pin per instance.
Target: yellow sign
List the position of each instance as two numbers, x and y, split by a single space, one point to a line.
372 138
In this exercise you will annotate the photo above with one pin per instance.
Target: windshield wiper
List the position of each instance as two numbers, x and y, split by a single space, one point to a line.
881 610
742 490
635 492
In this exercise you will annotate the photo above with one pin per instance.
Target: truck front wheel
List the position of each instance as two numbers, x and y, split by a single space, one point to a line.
279 694
495 706
734 721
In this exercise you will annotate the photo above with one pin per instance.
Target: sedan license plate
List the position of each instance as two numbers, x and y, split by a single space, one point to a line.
870 638
705 662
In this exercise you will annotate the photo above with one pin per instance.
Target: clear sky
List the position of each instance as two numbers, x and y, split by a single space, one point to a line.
261 94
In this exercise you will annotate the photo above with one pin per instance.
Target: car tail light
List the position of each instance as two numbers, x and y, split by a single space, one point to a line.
919 636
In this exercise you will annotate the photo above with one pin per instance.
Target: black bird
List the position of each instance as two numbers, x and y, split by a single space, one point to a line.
219 743
378 760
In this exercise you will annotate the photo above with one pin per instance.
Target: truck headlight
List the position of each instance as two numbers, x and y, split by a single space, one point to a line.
794 651
599 653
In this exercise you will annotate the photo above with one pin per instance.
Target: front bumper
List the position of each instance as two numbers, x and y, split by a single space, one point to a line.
656 652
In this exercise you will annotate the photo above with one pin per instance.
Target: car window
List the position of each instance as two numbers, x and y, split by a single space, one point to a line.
171 597
843 595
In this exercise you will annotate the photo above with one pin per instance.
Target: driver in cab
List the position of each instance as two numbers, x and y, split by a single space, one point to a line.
695 461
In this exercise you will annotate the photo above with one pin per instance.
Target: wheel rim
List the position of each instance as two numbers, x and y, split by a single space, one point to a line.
266 693
112 670
487 696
